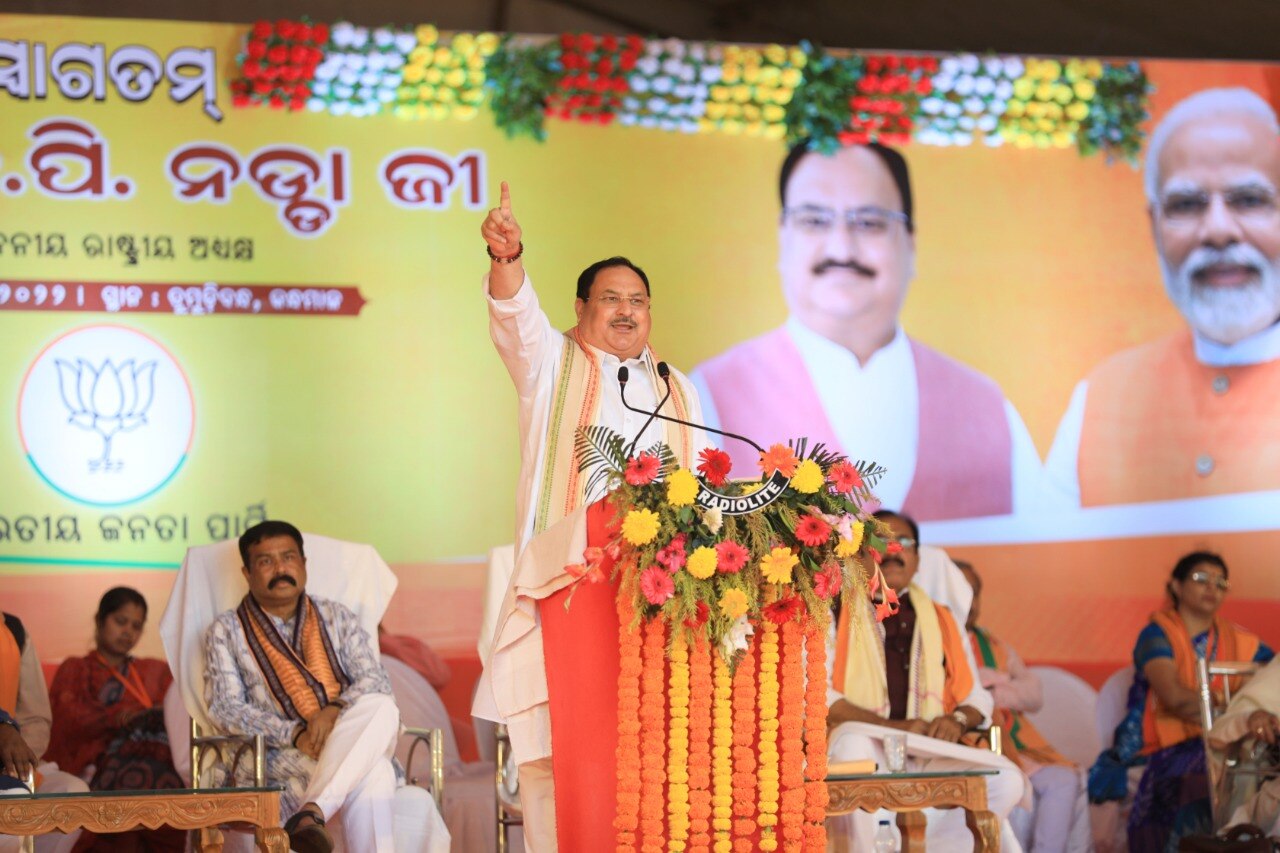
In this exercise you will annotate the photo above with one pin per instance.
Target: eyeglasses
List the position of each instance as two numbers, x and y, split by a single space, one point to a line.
907 543
1205 578
868 221
612 300
1250 204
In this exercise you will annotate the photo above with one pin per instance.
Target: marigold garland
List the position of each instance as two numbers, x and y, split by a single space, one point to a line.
653 724
791 737
631 664
722 757
769 774
678 745
700 688
744 754
815 737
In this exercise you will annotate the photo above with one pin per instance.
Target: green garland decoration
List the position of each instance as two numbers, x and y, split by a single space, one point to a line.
819 110
1114 123
520 77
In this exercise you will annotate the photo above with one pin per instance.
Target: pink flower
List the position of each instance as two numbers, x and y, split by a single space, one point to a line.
844 478
656 585
730 557
813 531
827 583
672 556
642 469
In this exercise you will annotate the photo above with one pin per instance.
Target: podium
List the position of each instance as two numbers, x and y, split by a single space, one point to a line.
685 655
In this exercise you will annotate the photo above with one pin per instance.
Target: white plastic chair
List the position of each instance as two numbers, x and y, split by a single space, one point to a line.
1113 699
1067 717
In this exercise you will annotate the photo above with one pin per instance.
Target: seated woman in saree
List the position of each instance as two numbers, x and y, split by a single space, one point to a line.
1162 724
108 718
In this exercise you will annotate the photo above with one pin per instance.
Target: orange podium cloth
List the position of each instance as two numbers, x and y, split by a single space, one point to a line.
580 645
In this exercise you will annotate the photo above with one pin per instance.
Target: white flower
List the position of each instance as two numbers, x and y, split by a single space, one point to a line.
370 78
698 52
943 83
712 517
710 74
648 66
964 85
631 104
1013 67
702 92
365 93
993 140
969 63
394 61
639 84
672 66
316 105
997 106
667 124
715 54
984 86
343 92
391 80
735 639
354 61
993 66
950 66
653 47
1004 90
348 77
320 87
377 61
339 108
988 123
975 105
342 34
688 73
688 126
359 36
966 123
326 71
656 105
963 139
648 121
951 110
663 85
383 37
931 106
405 42
674 47
386 96
627 119
682 91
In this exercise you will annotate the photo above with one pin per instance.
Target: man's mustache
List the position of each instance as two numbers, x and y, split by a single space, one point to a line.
892 561
849 264
281 578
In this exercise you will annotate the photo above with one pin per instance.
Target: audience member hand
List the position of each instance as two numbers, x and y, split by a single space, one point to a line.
500 229
1264 725
945 728
915 727
15 756
319 727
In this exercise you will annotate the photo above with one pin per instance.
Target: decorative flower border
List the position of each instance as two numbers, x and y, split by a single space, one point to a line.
774 91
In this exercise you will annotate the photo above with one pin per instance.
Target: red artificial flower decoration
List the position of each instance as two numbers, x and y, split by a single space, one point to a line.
278 55
714 465
262 29
320 34
567 41
256 49
586 43
779 457
730 557
285 28
609 43
783 610
813 531
251 69
642 469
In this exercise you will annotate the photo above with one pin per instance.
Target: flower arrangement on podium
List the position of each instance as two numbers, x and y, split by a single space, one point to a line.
725 590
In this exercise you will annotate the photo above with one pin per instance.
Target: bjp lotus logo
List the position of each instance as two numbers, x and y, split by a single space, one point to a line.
106 415
111 399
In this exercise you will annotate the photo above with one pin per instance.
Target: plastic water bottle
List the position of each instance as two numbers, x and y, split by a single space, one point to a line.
886 841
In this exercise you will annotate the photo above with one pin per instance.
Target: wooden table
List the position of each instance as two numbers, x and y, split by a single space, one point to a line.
121 811
908 793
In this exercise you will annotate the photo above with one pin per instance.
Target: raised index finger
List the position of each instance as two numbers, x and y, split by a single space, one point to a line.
505 203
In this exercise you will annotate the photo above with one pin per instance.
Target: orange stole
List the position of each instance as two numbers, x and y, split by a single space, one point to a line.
1152 410
10 670
301 685
580 648
1018 735
1161 729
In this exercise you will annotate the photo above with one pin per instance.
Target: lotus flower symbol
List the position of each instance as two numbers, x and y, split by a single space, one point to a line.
109 399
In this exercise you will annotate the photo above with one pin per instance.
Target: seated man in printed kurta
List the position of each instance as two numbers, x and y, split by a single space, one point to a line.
910 674
302 672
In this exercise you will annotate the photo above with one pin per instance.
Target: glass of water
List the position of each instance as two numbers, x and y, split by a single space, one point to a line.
895 752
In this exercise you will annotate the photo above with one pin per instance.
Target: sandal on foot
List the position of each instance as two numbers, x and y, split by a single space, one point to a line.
312 838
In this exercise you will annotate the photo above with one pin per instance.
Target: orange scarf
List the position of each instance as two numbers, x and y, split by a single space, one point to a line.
1227 642
304 675
1018 736
10 670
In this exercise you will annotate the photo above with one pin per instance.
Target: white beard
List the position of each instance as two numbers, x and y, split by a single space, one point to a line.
1226 315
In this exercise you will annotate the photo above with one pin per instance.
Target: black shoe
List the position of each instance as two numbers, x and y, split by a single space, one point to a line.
312 838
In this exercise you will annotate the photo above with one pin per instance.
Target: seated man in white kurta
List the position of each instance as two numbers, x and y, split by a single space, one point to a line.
302 672
909 674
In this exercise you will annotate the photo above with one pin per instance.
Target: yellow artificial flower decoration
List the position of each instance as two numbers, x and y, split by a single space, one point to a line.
421 56
1024 88
640 526
464 43
775 131
1063 139
1085 90
783 96
1078 111
473 97
733 603
751 112
682 487
776 566
466 113
808 477
427 34
798 57
770 75
720 94
751 74
790 77
433 75
487 43
446 95
413 73
731 73
774 113
742 93
1016 109
706 125
714 110
427 92
702 563
455 78
847 548
1050 69
1044 92
1063 94
755 128
1093 68
776 53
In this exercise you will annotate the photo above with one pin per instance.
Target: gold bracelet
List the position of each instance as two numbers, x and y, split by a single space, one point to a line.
509 258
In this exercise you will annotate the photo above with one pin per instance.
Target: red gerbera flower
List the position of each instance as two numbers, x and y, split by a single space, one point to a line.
813 531
844 478
779 457
656 585
730 557
714 465
782 610
642 469
699 618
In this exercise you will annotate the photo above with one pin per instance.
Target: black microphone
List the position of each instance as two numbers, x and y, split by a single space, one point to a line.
665 373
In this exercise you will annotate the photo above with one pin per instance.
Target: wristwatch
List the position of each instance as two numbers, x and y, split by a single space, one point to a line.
962 718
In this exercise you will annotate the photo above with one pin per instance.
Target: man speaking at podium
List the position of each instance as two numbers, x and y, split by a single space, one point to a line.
564 380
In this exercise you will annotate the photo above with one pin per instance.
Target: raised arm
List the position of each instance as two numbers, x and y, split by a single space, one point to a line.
502 234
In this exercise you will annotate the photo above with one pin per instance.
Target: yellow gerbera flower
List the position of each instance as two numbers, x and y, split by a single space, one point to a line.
702 562
682 487
808 477
733 603
640 526
776 566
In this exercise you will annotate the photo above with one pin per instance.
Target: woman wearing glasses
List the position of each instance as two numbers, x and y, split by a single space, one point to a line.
1162 725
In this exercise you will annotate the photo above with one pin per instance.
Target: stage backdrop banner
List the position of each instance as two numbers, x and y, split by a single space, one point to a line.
211 315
